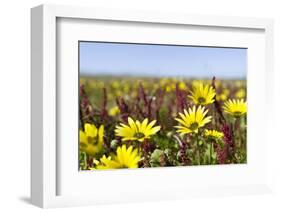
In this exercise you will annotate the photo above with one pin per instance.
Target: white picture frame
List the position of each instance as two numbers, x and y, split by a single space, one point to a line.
45 154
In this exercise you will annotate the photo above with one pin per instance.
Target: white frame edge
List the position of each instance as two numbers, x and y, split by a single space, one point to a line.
43 108
43 86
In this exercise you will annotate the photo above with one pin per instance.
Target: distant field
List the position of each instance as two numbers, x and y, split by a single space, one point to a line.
128 87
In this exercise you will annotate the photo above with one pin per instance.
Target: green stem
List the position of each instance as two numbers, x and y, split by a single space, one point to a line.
198 149
237 127
233 124
211 146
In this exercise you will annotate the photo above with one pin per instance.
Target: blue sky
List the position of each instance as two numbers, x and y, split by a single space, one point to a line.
161 60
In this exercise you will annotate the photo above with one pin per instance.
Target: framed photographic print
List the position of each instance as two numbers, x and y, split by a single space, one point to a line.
130 106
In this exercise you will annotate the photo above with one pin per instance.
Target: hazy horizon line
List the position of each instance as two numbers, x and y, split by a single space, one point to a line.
157 76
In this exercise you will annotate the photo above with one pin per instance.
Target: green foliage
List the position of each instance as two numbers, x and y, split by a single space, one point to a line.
83 160
164 142
155 159
210 156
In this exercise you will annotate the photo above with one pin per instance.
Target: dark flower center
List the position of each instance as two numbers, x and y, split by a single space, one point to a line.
139 135
82 145
92 140
201 100
193 126
123 166
237 113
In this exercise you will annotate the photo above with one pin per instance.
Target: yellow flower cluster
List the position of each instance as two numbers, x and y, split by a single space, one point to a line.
125 158
91 142
194 118
91 139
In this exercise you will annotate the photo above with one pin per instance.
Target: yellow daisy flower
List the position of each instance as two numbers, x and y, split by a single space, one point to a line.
213 134
91 139
182 85
136 130
223 95
236 108
241 93
124 158
115 84
104 163
195 83
192 120
202 94
114 111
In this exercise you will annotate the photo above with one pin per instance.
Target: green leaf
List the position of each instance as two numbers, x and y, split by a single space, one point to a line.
155 157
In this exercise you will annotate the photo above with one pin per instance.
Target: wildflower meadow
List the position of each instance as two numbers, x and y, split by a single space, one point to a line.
141 122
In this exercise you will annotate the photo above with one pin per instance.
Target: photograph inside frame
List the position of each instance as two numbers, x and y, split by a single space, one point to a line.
158 105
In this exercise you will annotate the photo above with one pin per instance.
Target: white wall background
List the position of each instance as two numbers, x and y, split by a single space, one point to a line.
15 99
